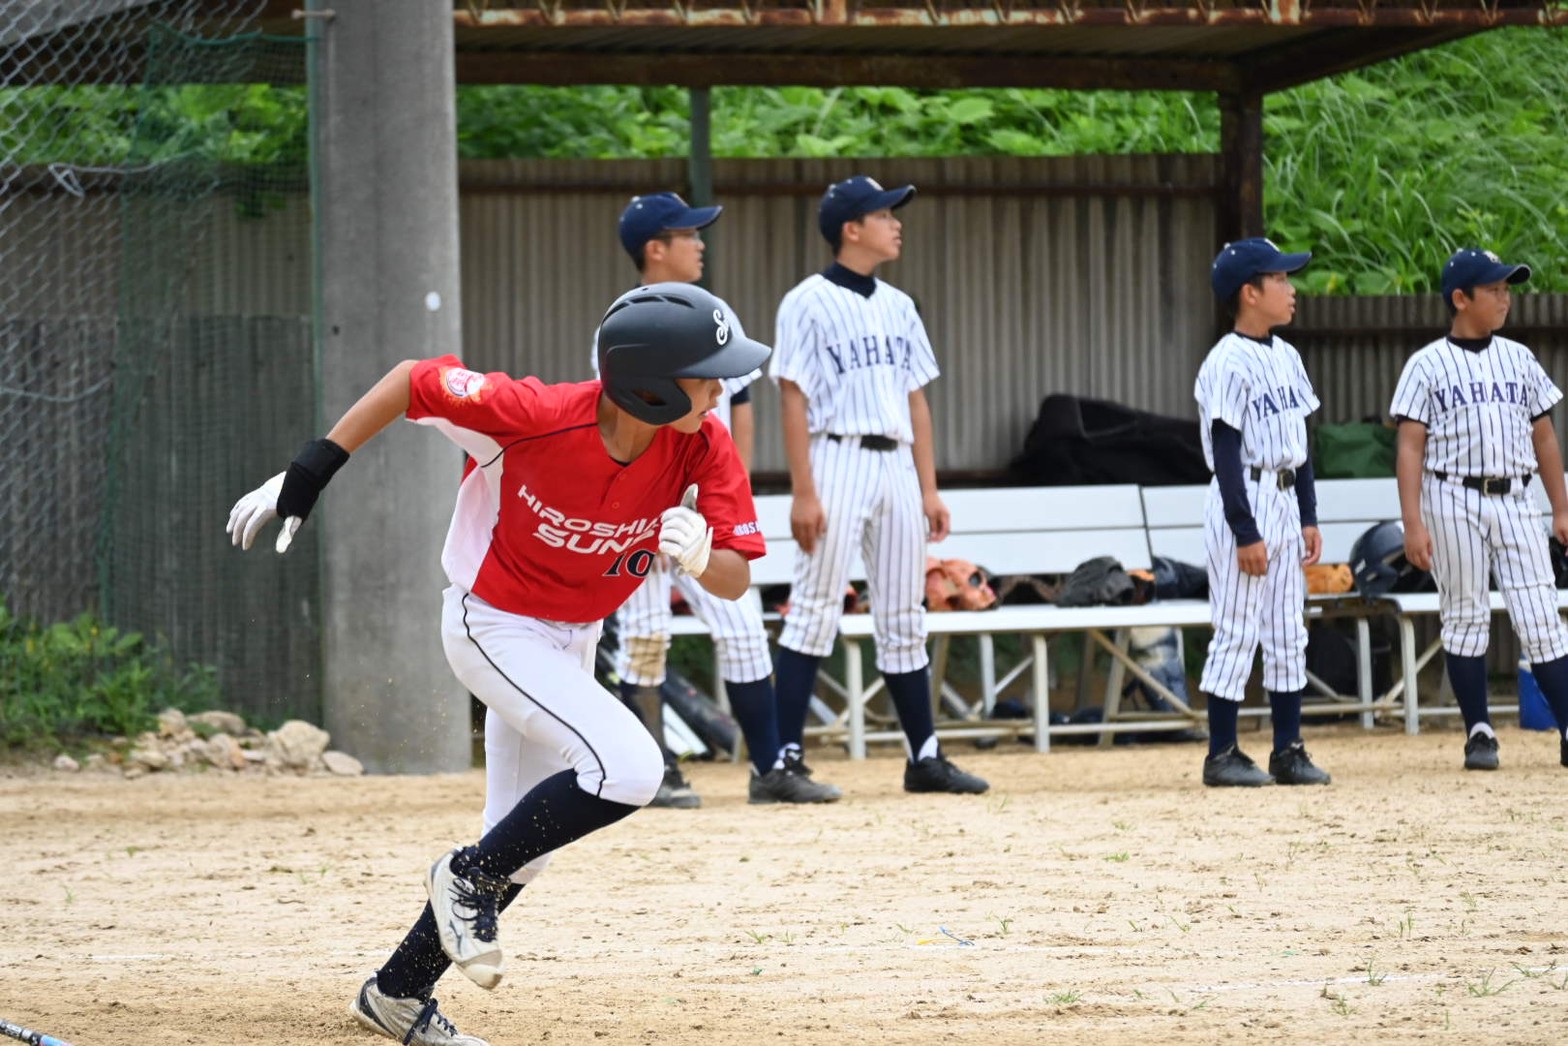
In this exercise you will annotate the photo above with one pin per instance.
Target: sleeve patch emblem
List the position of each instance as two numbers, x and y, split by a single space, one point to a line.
463 384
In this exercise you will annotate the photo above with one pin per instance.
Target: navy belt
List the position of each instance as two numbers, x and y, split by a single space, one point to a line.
867 442
1495 485
1286 478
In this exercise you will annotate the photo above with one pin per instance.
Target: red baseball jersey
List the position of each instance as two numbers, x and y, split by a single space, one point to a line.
547 524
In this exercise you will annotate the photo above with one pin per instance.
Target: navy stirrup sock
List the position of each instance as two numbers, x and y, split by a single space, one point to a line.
757 712
1553 677
794 680
1285 711
553 813
1467 675
911 693
1222 723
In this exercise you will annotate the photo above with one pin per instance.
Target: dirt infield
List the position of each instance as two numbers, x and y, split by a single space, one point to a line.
1092 896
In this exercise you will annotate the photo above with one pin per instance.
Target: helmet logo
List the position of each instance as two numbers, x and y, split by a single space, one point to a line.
722 334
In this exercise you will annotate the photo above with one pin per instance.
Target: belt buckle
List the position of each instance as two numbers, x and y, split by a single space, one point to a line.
1496 486
1286 478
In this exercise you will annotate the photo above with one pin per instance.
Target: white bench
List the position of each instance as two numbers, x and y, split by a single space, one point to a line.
1035 530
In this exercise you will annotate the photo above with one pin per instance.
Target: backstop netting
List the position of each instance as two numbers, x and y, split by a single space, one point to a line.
155 330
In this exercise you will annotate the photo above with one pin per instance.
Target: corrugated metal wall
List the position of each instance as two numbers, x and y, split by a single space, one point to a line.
1075 274
1355 348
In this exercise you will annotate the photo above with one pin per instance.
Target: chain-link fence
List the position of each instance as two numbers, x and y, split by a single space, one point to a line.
144 172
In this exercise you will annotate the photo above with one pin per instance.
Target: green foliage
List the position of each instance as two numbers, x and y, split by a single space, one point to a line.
1381 171
81 677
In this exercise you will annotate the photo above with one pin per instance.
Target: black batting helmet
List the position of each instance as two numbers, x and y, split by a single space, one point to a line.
1378 562
652 335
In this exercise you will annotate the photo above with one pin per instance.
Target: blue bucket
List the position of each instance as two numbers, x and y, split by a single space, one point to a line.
1534 712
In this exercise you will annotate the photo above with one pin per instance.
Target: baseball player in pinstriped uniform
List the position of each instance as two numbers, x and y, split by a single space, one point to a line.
1260 519
852 362
661 234
565 503
1473 429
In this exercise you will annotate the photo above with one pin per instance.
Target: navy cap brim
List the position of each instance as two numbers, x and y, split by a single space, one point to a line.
892 199
739 357
695 218
1290 262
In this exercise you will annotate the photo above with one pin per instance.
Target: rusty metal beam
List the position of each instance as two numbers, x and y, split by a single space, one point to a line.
838 14
1339 51
815 70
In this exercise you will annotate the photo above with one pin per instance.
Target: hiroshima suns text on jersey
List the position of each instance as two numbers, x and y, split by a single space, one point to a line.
856 358
1478 407
1262 391
547 524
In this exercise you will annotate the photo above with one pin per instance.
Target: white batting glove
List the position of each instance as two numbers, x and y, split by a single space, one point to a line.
684 535
254 511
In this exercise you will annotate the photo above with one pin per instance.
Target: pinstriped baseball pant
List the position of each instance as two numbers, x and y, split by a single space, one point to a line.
1475 535
873 506
643 629
1251 611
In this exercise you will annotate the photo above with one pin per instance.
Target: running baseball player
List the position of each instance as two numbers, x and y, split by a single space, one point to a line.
569 495
1260 517
852 363
1473 430
662 234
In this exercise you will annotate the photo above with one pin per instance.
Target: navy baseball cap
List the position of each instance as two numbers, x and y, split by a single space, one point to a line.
854 198
647 216
1246 259
1472 267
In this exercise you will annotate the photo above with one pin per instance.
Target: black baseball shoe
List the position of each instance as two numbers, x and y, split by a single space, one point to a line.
935 774
1232 768
676 792
1292 766
783 785
795 763
1481 752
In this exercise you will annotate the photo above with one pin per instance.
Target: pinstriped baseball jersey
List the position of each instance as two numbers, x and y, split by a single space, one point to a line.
1262 391
857 348
856 358
731 385
1478 407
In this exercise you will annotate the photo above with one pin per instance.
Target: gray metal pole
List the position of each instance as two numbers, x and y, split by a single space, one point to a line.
387 166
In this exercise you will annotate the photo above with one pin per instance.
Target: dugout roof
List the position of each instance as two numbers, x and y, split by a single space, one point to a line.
1225 46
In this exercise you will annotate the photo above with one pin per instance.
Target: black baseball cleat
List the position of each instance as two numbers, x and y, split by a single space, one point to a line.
1292 766
1232 768
676 792
935 774
795 763
1481 752
783 785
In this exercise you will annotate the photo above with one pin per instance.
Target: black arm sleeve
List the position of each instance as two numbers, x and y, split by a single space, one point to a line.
1307 494
1233 492
743 396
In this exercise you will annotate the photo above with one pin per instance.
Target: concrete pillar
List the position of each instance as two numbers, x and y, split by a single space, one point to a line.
383 89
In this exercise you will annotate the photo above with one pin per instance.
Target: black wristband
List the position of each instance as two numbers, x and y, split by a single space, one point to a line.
308 475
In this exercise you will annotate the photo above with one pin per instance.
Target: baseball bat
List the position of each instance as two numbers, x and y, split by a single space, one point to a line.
27 1035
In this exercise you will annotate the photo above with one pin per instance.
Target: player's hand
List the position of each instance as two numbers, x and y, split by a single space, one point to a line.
684 535
254 511
1560 526
937 516
807 521
1253 559
1418 546
1312 537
